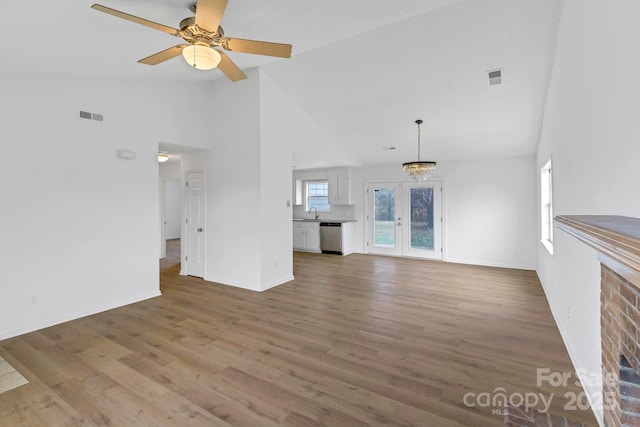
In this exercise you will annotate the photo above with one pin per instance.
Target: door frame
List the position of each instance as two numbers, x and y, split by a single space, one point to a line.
163 198
184 231
367 207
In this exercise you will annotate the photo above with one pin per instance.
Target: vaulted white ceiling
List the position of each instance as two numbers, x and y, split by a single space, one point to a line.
364 69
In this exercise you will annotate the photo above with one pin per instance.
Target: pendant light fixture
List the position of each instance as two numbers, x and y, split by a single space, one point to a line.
419 170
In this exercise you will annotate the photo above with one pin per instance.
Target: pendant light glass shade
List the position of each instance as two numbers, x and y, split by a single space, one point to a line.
419 170
201 56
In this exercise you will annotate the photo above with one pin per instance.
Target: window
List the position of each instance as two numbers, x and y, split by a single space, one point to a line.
546 205
317 195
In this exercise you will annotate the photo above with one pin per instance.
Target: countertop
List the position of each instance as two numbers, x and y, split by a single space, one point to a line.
341 221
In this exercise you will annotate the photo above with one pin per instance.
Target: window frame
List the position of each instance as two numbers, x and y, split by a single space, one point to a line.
307 195
546 206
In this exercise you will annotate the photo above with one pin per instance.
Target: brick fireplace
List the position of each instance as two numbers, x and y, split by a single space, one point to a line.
617 240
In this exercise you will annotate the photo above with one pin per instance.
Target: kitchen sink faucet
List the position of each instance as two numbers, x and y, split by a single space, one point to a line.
313 207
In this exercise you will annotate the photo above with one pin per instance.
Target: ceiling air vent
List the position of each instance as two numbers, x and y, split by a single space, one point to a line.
91 116
495 77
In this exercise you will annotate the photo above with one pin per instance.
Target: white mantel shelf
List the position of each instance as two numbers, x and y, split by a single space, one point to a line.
616 238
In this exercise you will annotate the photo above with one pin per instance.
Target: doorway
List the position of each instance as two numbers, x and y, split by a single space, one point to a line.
405 219
181 240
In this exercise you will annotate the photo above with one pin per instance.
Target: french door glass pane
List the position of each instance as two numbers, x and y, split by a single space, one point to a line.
384 217
422 218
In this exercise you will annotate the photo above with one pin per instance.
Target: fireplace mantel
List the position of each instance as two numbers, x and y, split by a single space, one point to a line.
616 238
617 241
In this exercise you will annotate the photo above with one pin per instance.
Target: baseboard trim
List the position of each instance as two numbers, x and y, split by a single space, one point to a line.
260 289
10 333
277 283
593 402
492 264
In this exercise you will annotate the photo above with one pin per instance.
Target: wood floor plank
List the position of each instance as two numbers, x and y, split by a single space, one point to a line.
352 341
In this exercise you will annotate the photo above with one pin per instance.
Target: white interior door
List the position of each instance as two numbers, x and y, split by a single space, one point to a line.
195 223
405 219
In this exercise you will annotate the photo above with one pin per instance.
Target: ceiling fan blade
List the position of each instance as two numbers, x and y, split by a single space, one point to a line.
229 68
209 13
165 55
260 48
135 19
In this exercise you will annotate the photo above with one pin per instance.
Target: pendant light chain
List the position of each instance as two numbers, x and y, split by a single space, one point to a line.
419 170
418 122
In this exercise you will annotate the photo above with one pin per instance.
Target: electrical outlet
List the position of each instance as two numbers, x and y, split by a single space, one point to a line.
35 299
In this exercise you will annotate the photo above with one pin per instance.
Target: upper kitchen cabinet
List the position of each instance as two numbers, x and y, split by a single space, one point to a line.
298 192
339 190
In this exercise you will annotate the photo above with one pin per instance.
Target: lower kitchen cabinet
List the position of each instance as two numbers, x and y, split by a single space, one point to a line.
306 236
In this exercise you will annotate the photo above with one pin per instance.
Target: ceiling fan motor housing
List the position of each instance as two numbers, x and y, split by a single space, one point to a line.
191 33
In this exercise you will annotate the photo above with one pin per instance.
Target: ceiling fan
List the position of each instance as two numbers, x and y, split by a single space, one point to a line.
206 40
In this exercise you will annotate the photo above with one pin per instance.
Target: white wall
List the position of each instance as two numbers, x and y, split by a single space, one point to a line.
80 226
248 169
233 246
489 209
172 208
171 180
591 130
282 124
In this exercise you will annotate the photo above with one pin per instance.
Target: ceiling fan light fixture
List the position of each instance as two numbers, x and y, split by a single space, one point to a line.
201 57
419 170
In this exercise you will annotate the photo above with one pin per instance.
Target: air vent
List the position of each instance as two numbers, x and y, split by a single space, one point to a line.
495 77
91 116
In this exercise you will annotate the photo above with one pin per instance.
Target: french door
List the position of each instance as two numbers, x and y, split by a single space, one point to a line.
405 219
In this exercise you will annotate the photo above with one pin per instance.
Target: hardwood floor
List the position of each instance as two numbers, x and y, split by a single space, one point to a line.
353 341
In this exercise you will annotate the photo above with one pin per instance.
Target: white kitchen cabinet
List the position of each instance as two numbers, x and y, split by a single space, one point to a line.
348 238
298 197
312 237
338 189
298 235
306 236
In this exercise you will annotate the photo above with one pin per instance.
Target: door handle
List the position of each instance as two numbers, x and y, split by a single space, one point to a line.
200 230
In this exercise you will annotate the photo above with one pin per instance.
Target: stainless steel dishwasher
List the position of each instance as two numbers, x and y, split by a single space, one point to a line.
331 238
